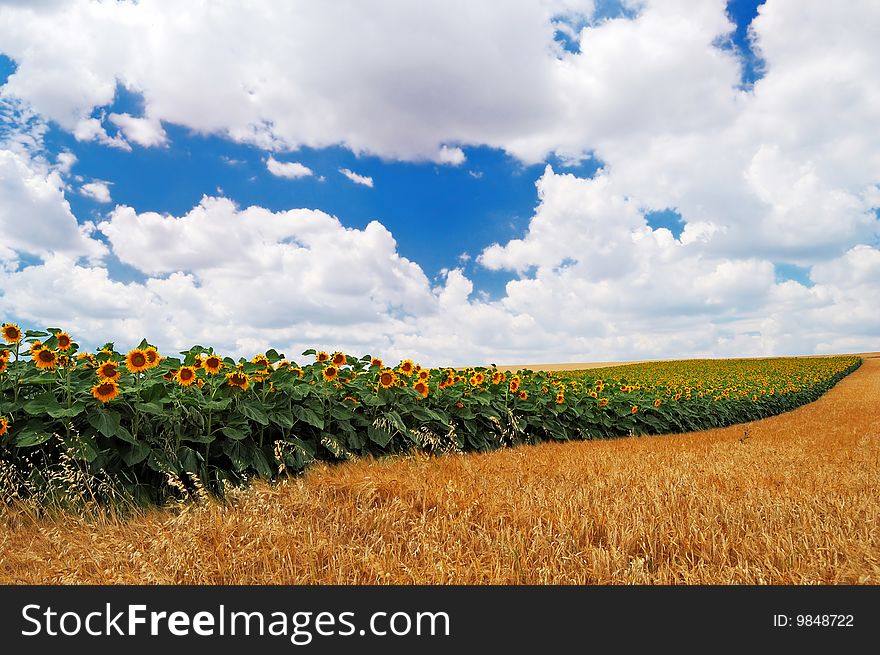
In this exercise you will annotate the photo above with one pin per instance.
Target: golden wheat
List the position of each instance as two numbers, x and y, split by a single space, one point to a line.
786 500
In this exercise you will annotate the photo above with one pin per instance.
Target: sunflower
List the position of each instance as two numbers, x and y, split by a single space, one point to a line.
136 361
4 425
514 384
603 402
421 388
330 373
152 356
35 346
297 371
523 395
407 366
197 361
634 409
109 370
480 378
424 374
387 378
560 398
45 358
5 354
64 340
338 359
11 333
376 362
212 364
88 358
186 376
497 377
170 375
105 390
3 365
657 403
260 359
322 356
237 379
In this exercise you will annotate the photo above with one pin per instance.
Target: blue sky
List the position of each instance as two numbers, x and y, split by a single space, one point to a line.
594 124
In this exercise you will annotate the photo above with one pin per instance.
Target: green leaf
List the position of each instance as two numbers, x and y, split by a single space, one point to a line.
32 434
74 410
135 453
308 416
35 333
254 411
283 418
45 403
104 421
261 464
125 435
150 408
395 419
234 433
378 436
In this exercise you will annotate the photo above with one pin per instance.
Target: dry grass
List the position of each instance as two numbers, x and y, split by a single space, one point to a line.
787 500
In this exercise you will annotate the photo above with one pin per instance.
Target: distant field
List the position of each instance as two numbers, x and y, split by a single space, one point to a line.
790 499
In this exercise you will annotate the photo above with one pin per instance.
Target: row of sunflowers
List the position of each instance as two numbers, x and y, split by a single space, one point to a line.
141 416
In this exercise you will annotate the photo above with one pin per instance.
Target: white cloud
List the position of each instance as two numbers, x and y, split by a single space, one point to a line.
35 218
97 190
451 156
146 132
364 180
290 170
65 161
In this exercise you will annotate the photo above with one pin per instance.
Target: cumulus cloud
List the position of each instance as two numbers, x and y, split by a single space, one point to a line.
364 180
146 132
35 217
291 170
97 190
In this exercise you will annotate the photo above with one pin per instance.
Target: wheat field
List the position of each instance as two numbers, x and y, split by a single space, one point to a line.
787 500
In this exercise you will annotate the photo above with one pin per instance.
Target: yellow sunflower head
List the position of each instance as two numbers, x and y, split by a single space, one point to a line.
186 376
109 370
330 373
11 333
657 403
136 361
105 390
523 395
45 358
634 409
387 378
260 359
35 346
322 356
3 364
5 354
238 379
338 359
514 384
4 425
421 388
603 402
212 364
424 374
407 366
152 356
64 341
376 362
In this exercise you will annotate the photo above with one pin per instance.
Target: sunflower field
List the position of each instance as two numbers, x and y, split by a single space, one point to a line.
143 417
